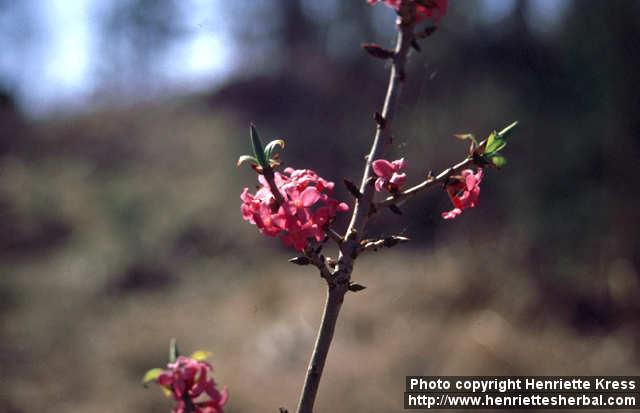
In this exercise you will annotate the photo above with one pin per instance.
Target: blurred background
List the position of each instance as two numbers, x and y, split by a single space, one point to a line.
120 125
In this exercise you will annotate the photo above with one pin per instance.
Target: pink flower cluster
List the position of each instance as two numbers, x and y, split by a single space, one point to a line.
306 212
436 11
389 175
464 193
187 378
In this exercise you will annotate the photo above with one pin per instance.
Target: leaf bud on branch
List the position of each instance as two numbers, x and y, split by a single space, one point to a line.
378 51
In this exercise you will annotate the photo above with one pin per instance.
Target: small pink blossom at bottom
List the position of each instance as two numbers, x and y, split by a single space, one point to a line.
464 193
201 407
436 12
306 213
190 379
388 173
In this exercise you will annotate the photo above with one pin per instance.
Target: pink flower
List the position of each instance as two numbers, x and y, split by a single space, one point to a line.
464 192
436 9
388 174
306 213
189 379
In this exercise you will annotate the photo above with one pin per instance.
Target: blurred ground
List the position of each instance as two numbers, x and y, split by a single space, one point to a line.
120 227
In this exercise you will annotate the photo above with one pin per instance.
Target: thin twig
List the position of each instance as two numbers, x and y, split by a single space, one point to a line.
387 242
337 238
340 279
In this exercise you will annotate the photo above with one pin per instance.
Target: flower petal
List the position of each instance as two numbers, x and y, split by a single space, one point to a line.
379 184
470 182
451 214
479 174
383 168
399 164
398 179
309 196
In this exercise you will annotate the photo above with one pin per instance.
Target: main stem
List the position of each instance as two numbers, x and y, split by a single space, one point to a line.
338 283
333 303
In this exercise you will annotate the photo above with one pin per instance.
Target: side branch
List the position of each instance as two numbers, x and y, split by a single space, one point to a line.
442 177
426 184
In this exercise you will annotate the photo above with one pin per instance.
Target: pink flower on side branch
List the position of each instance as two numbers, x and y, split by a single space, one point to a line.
306 213
434 9
464 192
388 174
189 379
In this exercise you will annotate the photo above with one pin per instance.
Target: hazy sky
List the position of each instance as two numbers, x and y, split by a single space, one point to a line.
50 48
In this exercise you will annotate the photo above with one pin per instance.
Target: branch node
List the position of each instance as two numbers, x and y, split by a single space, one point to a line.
354 288
352 188
394 208
378 51
394 240
301 260
415 45
380 120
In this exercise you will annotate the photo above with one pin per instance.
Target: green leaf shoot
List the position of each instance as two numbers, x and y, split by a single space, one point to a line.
151 375
271 147
173 351
494 143
498 161
247 158
258 149
201 355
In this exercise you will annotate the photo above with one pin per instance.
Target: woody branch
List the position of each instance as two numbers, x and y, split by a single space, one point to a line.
338 283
